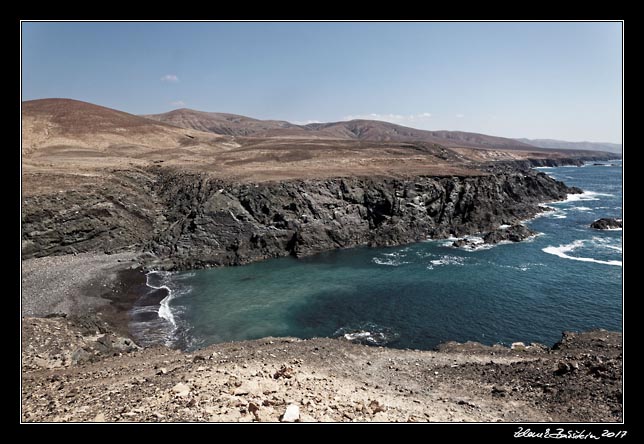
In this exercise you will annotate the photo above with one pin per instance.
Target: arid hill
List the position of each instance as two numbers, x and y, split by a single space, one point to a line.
68 142
234 125
565 145
364 130
52 127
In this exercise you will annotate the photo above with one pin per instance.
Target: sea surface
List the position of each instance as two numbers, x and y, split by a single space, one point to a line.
569 277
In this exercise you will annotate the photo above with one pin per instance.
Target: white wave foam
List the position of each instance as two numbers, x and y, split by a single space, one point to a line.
390 262
606 242
446 260
484 246
521 267
358 335
561 251
586 195
368 333
582 209
578 197
165 311
475 243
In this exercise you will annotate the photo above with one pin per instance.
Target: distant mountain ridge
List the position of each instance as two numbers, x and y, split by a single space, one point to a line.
562 144
364 130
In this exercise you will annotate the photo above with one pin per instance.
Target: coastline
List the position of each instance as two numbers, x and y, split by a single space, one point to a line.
109 285
329 379
68 363
86 283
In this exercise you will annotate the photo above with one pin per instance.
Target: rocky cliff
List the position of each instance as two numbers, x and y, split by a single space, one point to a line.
186 220
219 223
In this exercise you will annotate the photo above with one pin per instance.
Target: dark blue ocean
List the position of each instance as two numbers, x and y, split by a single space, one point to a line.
417 296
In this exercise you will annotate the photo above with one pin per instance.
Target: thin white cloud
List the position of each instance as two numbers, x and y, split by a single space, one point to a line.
305 122
460 116
172 78
178 103
393 118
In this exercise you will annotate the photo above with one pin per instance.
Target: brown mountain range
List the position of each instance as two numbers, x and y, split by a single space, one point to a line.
64 124
70 142
365 130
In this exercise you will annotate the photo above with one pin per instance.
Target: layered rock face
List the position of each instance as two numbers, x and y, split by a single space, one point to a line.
192 220
222 224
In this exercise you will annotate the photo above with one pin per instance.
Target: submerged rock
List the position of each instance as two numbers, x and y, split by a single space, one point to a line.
463 243
606 223
515 233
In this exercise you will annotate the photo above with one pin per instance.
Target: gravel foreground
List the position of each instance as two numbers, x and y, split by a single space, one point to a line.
71 284
76 367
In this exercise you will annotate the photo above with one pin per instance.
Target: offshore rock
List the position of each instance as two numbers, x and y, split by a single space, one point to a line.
515 233
606 223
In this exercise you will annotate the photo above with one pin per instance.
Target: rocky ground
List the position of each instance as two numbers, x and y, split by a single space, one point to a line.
74 369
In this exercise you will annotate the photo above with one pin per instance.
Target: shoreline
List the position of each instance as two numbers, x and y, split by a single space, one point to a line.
109 285
256 381
112 287
82 284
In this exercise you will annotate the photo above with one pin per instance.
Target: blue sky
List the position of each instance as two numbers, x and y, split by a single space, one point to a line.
535 80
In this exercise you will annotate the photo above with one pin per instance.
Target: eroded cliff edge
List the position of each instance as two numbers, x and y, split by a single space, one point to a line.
189 220
70 363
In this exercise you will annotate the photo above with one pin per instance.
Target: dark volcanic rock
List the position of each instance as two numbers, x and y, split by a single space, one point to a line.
193 220
120 214
606 223
515 233
463 243
527 164
218 223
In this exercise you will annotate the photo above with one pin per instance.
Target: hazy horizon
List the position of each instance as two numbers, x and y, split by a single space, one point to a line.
529 80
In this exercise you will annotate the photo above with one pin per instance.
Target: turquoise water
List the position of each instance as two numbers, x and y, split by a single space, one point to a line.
419 295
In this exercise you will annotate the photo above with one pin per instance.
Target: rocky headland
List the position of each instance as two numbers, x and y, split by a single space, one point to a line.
182 220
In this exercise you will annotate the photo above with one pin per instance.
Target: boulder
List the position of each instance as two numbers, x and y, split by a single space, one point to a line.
181 389
463 243
515 233
606 223
292 414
